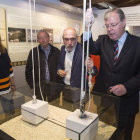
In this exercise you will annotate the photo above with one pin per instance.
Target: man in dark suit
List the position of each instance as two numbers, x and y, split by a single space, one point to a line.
70 62
119 66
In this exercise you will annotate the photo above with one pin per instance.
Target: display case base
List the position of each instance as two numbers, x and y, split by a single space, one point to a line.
35 113
10 102
71 94
81 128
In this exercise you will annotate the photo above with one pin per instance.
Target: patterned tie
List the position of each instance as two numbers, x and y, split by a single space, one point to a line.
47 72
116 48
115 51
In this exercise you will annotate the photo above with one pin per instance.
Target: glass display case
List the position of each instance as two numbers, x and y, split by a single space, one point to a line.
18 122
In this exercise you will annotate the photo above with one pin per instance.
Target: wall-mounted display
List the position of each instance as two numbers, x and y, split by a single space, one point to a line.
16 34
50 32
62 36
132 19
137 33
34 35
76 26
57 38
19 63
2 27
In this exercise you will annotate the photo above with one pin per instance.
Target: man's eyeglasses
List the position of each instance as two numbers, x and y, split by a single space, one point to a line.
111 25
71 39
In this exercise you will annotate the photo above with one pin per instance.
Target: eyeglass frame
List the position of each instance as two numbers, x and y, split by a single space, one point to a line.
112 26
71 39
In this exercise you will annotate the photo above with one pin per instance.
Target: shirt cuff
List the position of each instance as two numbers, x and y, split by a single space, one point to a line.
86 35
12 74
58 71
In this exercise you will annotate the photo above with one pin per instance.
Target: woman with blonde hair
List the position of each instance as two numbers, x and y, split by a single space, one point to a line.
6 72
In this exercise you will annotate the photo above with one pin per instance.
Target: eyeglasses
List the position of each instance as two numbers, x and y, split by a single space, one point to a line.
111 25
71 39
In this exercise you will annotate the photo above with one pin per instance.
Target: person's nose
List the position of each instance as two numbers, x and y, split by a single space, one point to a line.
43 39
109 28
69 42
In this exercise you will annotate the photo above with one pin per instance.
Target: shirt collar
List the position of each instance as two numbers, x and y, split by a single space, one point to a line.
123 38
49 48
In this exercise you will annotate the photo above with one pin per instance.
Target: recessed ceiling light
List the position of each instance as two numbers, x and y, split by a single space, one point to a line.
110 7
69 9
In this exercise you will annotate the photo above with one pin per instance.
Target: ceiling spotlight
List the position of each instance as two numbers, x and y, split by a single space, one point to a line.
110 7
69 9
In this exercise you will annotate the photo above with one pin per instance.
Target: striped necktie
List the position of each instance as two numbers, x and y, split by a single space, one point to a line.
116 48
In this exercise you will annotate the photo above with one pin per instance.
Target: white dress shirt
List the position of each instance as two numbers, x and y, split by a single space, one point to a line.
121 42
68 66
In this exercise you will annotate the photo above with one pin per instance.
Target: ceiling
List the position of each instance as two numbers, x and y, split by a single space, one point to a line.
103 4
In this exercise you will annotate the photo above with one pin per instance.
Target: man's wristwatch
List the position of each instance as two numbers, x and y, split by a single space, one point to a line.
92 71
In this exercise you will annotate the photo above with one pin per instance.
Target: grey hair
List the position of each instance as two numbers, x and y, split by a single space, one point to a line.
116 10
42 31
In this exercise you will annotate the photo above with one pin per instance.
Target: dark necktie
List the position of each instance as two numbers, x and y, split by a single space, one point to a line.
116 48
115 51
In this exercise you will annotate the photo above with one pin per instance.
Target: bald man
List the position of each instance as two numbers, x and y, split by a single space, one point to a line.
70 61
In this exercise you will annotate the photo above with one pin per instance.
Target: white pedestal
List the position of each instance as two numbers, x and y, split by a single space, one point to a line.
75 123
35 113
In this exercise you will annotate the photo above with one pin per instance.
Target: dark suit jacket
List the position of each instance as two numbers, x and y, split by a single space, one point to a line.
76 70
126 70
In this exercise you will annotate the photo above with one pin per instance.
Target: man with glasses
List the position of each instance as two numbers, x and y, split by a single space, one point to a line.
70 62
120 65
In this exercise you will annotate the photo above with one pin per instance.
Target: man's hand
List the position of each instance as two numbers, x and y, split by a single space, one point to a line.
90 63
89 19
118 90
62 73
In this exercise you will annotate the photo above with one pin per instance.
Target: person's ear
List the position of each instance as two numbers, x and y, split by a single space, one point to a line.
124 22
62 37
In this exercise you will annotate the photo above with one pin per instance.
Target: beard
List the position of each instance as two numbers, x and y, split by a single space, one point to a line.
70 48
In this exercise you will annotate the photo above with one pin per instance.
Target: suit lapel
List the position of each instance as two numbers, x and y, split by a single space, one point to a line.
110 50
63 59
125 48
76 53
